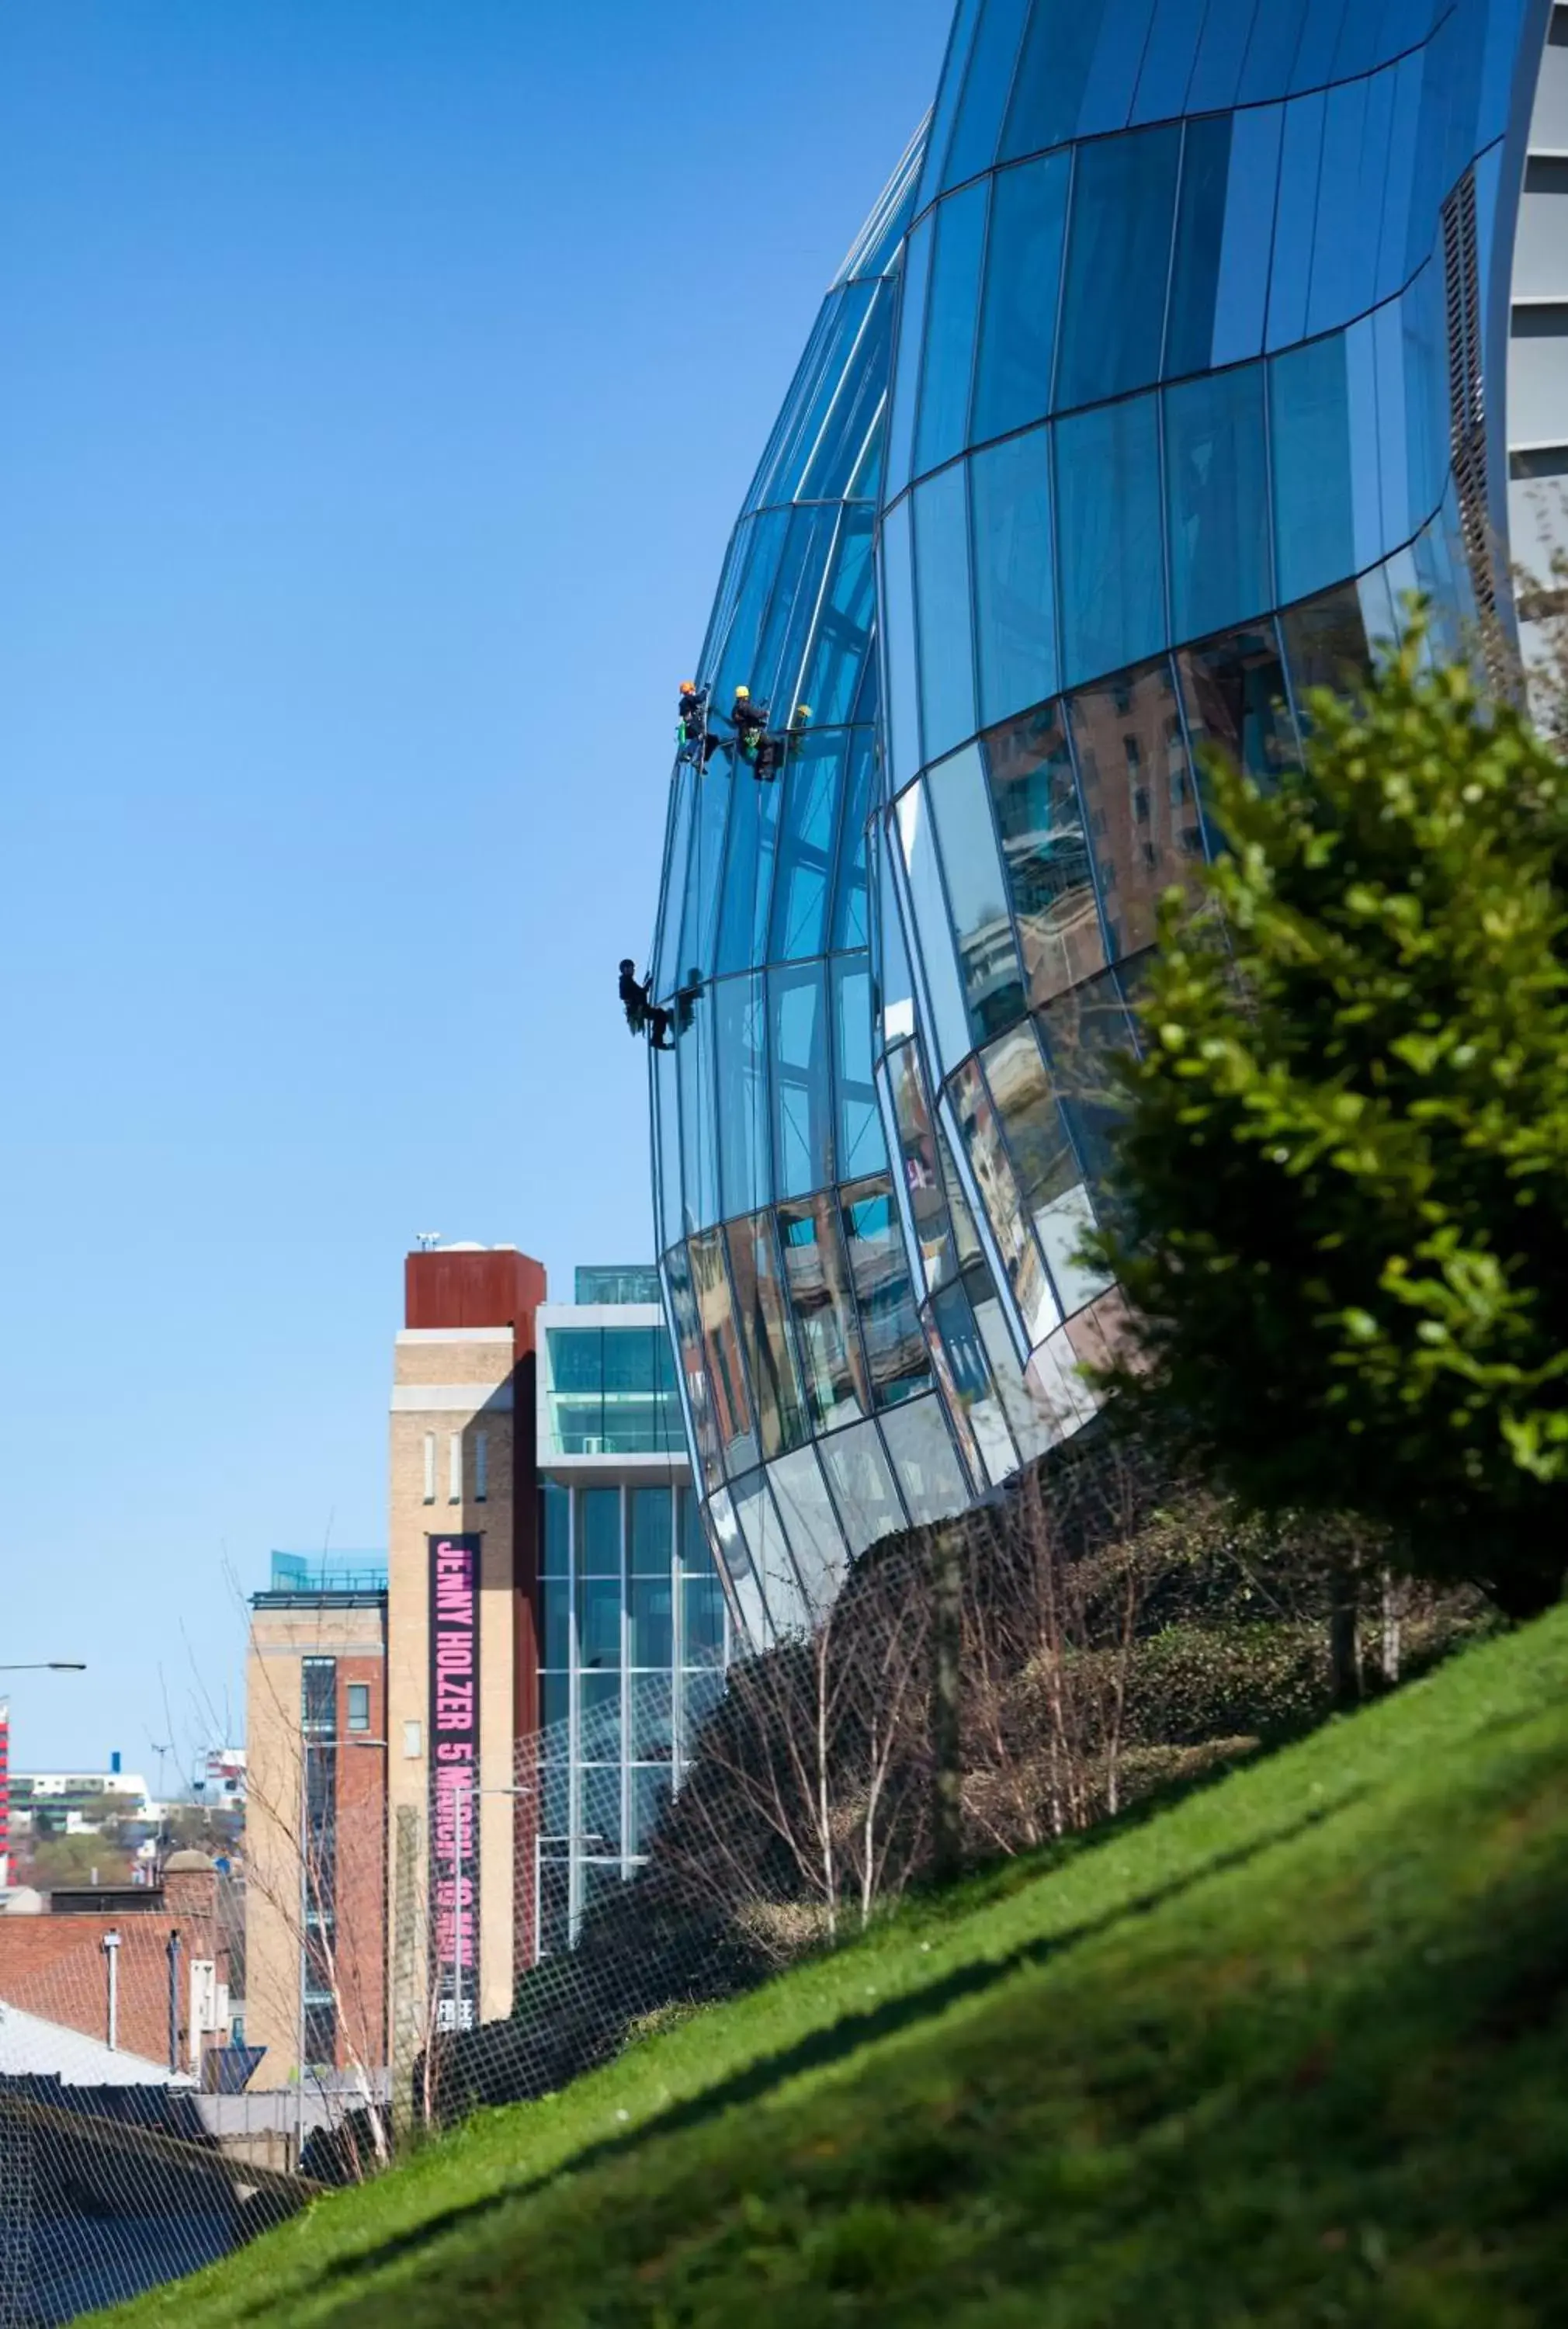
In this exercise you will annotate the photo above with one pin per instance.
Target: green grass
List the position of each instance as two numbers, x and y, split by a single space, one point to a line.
1294 2050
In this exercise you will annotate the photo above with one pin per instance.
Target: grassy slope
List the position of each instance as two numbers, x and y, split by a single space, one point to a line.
1294 2050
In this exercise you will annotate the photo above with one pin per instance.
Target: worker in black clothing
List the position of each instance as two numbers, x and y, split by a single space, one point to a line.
696 745
686 1000
749 722
636 1000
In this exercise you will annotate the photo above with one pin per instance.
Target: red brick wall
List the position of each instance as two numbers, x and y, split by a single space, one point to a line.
362 1870
55 1967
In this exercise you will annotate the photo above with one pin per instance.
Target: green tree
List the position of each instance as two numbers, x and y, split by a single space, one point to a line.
1341 1199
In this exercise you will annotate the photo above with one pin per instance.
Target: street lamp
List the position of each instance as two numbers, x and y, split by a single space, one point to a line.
48 1665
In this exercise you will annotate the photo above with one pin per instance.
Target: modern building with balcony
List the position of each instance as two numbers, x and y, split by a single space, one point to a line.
1185 342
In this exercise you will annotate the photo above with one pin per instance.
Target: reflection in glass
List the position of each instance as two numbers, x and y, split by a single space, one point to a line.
863 1489
1309 449
1035 794
1200 238
759 1310
802 1079
933 927
741 1019
1002 1201
943 601
976 892
917 1158
1014 589
950 320
1139 798
1234 693
1109 539
1217 500
923 1456
1019 315
816 1277
721 1349
894 1347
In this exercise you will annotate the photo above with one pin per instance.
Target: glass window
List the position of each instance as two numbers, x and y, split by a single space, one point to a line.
986 84
763 1531
847 462
932 926
652 1621
950 91
721 1349
895 1346
1309 431
599 1718
1221 53
973 1397
555 1525
1031 1122
749 877
699 1695
1349 193
1139 798
1048 87
922 1190
861 1147
1002 1202
759 1311
698 1148
318 1695
1234 693
555 1595
816 1277
1118 257
1271 51
599 1532
1325 645
1404 134
1217 500
652 1520
802 1082
1111 553
555 1704
1035 794
601 1828
599 1621
923 1458
849 918
1113 74
942 599
1023 265
670 1221
1014 588
1082 1033
903 666
816 384
700 1398
1242 292
1300 156
903 401
1200 238
976 893
863 1487
701 1620
1365 478
807 1513
950 321
741 1016
1168 56
845 624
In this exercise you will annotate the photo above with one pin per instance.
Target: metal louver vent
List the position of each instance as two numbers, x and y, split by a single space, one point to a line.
1467 410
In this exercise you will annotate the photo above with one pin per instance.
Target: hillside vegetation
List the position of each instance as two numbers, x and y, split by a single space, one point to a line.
1292 2050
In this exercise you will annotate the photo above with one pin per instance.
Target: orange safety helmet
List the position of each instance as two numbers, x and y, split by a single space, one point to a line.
688 687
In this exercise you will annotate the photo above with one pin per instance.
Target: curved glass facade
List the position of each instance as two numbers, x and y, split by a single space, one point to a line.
1155 378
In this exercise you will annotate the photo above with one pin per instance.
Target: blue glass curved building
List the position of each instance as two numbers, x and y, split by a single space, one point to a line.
1189 336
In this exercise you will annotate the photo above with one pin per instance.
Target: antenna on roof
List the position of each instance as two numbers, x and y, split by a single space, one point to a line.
425 1239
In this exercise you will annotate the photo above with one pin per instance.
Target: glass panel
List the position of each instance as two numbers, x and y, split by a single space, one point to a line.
1221 53
699 1695
816 1276
978 127
844 626
555 1595
1113 74
1234 693
734 1557
906 373
721 1350
923 1458
599 1532
1310 445
1300 156
1014 591
599 1621
1242 296
653 1718
1118 257
1032 1125
861 1147
1344 250
815 385
698 1148
976 893
931 921
802 1083
1111 587
1276 30
759 1309
813 777
917 1157
1029 1427
701 1621
698 1389
1325 645
601 1828
1167 60
849 918
1002 1201
599 1718
1139 797
770 1553
749 877
1217 505
848 450
1023 267
1199 237
1048 87
942 596
965 1236
652 1522
950 320
950 93
972 1384
555 1528
671 1221
652 1621
863 1487
555 1702
895 1346
1036 798
742 1022
898 648
807 1512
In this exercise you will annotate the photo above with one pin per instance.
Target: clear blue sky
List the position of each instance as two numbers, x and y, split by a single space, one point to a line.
378 383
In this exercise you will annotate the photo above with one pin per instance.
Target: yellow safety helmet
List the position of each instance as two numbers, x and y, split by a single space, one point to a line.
802 711
743 695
